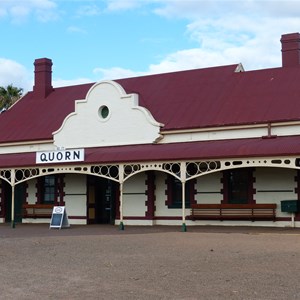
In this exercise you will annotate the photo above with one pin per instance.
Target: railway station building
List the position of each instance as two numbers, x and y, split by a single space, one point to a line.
211 146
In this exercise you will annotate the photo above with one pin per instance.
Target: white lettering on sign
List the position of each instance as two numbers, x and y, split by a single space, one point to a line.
60 156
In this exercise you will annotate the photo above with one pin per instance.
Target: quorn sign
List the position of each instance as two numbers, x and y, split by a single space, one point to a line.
60 156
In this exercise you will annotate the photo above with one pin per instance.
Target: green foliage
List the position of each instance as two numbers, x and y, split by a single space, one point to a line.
9 95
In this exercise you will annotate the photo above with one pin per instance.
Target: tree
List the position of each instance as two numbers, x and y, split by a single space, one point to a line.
9 95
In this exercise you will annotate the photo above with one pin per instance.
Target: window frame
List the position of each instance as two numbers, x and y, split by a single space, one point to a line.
43 185
174 189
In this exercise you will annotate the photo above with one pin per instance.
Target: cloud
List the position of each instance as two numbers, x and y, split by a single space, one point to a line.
75 29
11 72
223 32
20 10
115 73
230 32
89 10
226 32
197 9
114 5
58 82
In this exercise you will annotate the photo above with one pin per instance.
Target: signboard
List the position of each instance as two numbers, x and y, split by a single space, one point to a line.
59 156
59 217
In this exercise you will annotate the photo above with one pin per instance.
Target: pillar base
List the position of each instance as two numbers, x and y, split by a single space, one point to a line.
121 226
13 224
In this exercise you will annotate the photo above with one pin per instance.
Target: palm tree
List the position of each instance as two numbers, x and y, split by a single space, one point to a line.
9 95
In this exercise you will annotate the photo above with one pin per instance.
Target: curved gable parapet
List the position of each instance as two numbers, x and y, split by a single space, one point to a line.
107 117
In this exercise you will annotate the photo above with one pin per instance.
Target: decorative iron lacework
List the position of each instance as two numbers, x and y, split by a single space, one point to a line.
194 169
107 171
172 168
6 175
24 174
119 173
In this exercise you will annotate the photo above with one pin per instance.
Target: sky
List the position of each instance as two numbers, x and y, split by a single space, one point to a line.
94 40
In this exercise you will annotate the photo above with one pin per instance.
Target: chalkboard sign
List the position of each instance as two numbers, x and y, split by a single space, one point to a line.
59 218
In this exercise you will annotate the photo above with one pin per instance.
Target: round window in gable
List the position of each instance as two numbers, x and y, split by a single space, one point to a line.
103 112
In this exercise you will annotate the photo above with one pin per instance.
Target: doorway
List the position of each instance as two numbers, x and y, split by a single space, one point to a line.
239 186
101 200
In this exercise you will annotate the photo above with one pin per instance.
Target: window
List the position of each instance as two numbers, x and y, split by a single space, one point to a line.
47 189
174 193
238 186
103 112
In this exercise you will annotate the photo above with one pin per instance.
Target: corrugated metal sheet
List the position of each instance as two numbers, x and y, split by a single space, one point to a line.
180 100
210 150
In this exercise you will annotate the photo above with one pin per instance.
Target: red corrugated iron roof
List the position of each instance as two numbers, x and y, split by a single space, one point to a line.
181 100
34 118
207 150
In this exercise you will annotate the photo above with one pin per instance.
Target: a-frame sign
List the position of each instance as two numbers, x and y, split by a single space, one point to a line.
59 218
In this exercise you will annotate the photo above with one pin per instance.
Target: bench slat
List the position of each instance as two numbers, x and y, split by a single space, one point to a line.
37 210
251 212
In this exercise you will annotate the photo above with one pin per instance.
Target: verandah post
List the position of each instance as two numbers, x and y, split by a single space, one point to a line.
121 226
13 225
183 180
121 180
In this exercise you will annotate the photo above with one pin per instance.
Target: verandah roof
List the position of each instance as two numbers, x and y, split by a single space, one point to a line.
197 151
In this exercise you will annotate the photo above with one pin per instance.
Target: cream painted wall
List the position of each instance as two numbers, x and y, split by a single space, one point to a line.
273 185
162 209
209 188
31 191
134 198
224 133
28 147
75 194
213 135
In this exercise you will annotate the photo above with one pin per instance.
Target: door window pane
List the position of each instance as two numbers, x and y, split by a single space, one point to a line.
49 189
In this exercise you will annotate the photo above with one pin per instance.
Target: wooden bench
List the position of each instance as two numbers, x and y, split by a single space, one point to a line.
233 212
37 210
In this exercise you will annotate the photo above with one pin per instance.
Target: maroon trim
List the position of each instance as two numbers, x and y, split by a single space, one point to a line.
225 189
192 191
2 199
69 217
25 193
283 219
251 189
297 191
60 186
135 218
188 218
168 218
150 192
117 213
155 218
25 199
56 188
39 190
169 190
77 217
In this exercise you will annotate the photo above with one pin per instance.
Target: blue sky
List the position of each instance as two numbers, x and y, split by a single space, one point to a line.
92 40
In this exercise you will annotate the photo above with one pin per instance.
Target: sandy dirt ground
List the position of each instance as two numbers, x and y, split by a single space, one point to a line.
102 262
